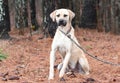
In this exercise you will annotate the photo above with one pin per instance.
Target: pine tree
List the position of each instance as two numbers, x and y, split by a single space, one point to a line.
4 20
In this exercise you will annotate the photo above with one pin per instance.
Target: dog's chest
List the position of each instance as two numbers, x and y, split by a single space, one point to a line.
64 45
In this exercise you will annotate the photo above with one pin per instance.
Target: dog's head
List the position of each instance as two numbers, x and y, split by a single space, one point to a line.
62 16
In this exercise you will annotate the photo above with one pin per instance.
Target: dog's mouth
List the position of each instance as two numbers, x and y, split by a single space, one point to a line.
62 23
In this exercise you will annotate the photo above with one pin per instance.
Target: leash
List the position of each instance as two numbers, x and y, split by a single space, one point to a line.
99 59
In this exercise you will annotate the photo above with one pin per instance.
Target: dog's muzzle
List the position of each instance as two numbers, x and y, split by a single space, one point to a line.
62 23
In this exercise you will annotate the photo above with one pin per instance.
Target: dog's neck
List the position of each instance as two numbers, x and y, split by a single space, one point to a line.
66 29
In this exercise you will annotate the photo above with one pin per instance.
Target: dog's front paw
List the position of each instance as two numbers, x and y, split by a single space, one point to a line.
62 79
86 73
50 78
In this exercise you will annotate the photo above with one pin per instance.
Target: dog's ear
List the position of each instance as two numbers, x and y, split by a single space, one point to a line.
52 15
72 14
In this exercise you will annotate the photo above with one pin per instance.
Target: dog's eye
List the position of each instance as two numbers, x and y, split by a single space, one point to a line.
65 15
58 15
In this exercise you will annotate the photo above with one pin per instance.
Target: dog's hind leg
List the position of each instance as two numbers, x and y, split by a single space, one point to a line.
59 66
83 65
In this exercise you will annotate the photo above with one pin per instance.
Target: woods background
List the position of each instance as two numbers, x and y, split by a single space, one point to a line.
103 15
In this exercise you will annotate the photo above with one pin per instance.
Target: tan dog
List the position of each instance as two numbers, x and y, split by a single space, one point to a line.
73 58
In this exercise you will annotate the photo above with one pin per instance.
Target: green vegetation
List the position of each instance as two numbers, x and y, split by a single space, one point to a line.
88 47
2 55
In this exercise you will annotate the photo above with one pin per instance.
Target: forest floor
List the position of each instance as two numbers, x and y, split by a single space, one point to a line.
28 58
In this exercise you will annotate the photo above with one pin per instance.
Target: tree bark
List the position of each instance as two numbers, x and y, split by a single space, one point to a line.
35 25
29 17
117 17
76 9
99 10
12 13
113 16
20 15
4 20
89 14
39 13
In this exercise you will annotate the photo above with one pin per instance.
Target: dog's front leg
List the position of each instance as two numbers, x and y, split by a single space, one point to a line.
52 60
65 63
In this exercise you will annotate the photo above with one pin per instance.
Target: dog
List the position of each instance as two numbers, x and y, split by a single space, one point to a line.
73 58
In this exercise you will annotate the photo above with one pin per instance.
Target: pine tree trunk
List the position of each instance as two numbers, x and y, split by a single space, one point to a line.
107 16
99 10
39 13
33 15
117 17
12 13
76 10
4 20
112 16
29 17
20 15
89 14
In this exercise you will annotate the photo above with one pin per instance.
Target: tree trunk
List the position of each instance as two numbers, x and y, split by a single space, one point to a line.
89 14
107 16
33 15
20 15
29 17
4 20
76 9
39 13
12 12
112 16
117 17
99 10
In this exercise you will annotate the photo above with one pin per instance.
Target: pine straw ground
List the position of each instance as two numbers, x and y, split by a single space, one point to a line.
28 58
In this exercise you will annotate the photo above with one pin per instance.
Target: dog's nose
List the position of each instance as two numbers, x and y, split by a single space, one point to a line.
62 22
